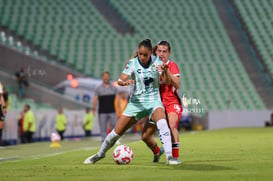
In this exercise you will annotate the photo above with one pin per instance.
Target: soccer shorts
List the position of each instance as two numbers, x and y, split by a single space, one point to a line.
175 108
140 110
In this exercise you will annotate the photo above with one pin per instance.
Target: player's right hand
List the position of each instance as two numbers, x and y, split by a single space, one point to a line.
129 82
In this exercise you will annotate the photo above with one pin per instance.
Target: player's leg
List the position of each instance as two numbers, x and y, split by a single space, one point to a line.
174 112
158 116
147 136
1 129
173 120
2 118
121 127
103 125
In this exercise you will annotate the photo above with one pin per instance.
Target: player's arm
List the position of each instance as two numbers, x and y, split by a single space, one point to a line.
3 104
95 100
168 77
171 79
123 80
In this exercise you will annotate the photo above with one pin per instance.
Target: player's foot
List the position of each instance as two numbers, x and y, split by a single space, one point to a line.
157 156
93 159
173 161
118 142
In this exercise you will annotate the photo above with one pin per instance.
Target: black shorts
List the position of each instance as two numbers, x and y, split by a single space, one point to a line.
2 117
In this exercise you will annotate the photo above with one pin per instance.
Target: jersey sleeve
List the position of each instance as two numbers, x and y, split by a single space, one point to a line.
174 69
129 67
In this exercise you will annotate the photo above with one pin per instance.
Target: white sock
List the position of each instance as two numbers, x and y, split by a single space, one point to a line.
108 142
165 136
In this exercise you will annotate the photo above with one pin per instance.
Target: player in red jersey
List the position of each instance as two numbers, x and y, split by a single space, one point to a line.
171 101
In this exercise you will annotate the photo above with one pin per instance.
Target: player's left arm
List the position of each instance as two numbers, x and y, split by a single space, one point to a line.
169 78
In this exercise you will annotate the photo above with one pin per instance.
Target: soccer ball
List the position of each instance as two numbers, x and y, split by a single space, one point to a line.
123 154
55 137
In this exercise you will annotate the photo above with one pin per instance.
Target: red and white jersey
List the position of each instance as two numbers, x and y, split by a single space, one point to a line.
169 93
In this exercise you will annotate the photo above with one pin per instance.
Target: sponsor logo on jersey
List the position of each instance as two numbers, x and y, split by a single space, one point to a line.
176 107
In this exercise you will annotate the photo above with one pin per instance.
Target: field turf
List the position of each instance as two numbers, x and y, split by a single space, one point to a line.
226 154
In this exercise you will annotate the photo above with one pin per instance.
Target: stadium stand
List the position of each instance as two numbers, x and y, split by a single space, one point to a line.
78 35
209 64
257 17
19 104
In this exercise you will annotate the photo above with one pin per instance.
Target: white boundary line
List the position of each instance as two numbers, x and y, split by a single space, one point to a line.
36 157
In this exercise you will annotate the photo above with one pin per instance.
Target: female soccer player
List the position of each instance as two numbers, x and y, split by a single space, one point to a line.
171 102
144 101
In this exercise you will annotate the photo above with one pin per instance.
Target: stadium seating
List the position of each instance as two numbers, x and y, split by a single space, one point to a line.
211 69
76 33
15 103
257 16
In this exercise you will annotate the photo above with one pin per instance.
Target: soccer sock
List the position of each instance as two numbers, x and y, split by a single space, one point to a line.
175 147
165 136
108 142
156 149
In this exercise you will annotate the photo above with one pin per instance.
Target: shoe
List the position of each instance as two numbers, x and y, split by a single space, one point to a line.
157 156
93 159
173 161
118 142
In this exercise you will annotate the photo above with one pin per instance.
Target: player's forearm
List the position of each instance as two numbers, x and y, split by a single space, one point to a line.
94 103
166 79
125 83
172 80
2 101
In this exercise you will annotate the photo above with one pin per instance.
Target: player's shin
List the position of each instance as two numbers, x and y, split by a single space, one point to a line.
175 148
108 142
165 136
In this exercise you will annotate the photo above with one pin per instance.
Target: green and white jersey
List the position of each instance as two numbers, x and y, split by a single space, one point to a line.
146 86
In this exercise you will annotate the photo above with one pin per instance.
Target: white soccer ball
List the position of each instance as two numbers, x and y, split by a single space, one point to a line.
55 137
123 154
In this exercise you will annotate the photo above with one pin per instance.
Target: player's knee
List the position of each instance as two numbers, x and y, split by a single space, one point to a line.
173 124
144 137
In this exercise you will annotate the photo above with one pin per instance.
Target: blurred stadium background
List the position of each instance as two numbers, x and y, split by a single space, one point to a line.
222 47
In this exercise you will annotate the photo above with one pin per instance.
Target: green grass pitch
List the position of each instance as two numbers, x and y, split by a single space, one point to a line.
227 154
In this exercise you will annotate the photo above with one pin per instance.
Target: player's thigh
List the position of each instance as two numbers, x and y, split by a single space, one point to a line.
172 119
158 114
123 124
148 130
